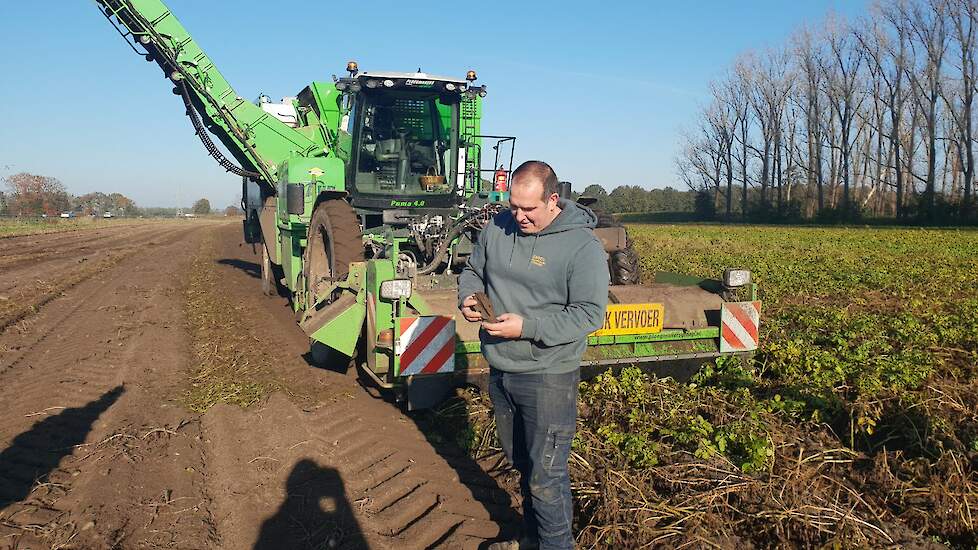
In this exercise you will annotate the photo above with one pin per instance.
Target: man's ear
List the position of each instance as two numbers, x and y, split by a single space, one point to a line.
552 200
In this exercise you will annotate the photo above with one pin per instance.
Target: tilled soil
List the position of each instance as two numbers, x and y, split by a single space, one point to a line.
98 449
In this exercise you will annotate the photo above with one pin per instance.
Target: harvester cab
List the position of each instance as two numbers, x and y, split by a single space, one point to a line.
405 139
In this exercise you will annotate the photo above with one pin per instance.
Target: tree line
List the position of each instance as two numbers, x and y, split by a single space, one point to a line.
871 118
32 195
635 199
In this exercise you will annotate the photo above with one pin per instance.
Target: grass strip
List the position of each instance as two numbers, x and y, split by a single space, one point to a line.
230 363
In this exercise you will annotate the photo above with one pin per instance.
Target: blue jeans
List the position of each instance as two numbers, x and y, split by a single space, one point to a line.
536 416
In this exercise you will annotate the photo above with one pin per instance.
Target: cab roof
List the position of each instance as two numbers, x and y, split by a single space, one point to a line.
410 76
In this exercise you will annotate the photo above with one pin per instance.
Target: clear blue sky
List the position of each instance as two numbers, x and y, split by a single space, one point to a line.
598 89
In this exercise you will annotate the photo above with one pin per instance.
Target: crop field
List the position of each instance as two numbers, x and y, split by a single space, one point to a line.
856 424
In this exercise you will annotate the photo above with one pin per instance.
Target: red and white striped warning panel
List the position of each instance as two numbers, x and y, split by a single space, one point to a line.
739 322
426 345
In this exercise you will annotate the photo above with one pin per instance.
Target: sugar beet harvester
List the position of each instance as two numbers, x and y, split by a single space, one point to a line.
366 194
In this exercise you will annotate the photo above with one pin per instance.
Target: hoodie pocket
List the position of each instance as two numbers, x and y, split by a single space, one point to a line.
537 351
540 352
517 351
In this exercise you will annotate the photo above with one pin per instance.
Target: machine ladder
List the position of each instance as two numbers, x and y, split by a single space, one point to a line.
470 132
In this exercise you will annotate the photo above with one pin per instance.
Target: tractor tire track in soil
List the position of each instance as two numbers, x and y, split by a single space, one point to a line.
97 449
91 456
38 268
388 487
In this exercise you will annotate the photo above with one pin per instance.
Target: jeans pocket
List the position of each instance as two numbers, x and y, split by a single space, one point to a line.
558 446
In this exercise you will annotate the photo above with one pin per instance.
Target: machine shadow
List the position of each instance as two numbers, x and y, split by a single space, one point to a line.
34 454
453 432
251 268
321 356
315 514
448 428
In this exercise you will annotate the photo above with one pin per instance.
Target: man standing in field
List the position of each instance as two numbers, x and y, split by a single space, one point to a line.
541 265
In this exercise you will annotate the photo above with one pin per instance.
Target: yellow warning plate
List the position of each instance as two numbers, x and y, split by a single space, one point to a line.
620 319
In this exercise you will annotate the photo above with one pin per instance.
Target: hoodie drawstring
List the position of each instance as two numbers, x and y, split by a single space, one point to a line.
533 248
512 250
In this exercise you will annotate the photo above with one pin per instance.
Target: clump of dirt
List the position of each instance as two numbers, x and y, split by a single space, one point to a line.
230 364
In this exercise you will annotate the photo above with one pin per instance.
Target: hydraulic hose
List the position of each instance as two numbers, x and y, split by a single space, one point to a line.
212 149
452 234
442 249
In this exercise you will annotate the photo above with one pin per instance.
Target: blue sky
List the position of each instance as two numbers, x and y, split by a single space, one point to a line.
600 90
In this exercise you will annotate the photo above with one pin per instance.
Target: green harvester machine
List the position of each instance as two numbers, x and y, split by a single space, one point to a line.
366 194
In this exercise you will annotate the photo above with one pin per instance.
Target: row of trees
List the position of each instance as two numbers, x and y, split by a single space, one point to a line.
632 198
99 203
34 195
31 195
872 118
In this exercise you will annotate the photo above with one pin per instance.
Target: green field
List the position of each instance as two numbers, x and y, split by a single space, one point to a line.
856 423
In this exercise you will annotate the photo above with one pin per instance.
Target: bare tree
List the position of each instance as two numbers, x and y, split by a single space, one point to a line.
741 86
928 25
884 39
791 158
698 166
874 117
768 97
705 156
724 119
963 15
842 88
809 59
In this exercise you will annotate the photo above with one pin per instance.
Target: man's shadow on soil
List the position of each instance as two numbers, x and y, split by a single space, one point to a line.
315 514
34 454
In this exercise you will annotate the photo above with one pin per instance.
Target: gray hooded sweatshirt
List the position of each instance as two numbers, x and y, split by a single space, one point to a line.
557 280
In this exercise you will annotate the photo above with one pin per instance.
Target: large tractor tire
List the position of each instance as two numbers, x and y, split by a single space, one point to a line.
605 219
268 285
625 268
623 264
334 240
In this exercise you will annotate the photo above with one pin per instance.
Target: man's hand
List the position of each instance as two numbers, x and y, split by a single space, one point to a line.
470 314
510 325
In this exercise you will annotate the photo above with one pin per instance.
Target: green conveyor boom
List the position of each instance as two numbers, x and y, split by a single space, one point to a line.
258 141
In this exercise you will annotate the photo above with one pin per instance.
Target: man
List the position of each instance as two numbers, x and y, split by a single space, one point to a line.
542 267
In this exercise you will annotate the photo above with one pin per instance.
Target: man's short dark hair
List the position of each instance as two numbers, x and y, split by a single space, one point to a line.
539 171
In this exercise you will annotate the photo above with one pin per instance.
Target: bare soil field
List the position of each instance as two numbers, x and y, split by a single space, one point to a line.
152 398
16 227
